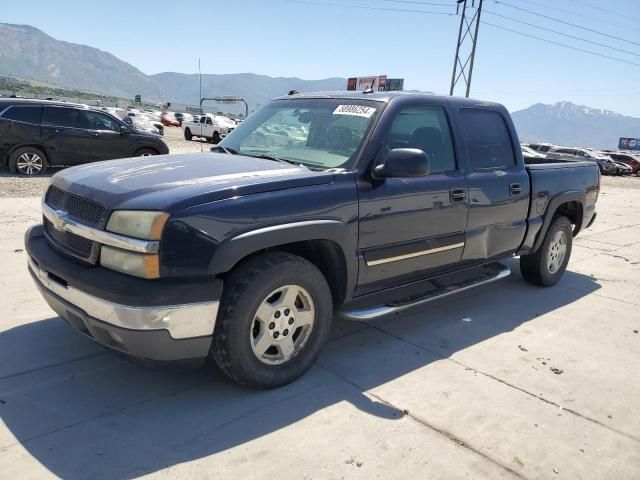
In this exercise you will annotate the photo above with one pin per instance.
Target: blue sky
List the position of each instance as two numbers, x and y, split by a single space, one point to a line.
326 38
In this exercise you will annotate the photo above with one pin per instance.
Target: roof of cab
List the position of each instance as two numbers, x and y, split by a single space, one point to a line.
388 96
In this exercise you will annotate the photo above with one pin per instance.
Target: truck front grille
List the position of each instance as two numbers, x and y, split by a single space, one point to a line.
75 244
83 209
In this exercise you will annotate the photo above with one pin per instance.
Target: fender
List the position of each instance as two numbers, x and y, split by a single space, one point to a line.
552 207
231 251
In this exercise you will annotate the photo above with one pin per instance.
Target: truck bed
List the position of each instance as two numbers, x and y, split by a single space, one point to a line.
545 163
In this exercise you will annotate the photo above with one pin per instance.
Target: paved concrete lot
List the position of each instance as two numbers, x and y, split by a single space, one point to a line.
461 389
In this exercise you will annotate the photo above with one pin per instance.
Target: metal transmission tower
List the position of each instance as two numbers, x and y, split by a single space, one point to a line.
466 47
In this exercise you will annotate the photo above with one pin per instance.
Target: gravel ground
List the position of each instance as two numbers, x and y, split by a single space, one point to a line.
12 186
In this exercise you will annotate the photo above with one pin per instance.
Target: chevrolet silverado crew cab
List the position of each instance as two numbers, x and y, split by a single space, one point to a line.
211 127
350 204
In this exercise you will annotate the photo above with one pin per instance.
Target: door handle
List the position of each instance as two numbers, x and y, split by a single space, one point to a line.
457 195
515 189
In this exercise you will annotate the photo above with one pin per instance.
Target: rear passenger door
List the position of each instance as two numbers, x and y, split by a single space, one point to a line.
412 228
498 185
64 135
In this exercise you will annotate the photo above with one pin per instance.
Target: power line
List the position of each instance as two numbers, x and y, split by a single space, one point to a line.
420 3
500 2
368 7
312 2
581 15
560 44
561 33
611 12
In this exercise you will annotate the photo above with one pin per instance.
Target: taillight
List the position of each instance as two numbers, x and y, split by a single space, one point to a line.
598 189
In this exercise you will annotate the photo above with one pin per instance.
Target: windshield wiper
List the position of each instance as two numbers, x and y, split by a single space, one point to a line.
230 151
275 159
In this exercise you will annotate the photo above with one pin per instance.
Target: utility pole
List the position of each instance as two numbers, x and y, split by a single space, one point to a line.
466 47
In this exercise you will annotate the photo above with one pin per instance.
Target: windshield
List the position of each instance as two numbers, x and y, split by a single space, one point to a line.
319 133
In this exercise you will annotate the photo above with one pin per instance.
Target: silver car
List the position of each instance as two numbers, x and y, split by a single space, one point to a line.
606 165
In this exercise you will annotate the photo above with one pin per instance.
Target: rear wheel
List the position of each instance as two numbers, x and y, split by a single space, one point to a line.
28 161
548 264
276 316
187 134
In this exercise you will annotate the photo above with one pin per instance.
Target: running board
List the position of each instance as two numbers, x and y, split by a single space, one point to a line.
493 272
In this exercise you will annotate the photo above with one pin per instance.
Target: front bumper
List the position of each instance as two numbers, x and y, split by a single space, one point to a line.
155 320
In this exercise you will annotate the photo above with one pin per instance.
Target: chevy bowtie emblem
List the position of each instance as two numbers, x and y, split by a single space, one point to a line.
58 221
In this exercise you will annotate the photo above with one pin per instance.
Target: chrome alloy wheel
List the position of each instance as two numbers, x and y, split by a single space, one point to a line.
282 324
29 163
557 251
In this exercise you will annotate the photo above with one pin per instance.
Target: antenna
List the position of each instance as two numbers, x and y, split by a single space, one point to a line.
200 78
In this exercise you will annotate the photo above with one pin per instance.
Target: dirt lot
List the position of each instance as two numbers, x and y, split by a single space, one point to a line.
461 389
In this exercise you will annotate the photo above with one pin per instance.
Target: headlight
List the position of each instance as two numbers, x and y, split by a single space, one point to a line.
138 224
141 265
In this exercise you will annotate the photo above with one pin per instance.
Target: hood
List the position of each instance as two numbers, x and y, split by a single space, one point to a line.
174 182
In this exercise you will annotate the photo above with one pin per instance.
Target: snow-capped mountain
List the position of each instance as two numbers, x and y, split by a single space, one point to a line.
566 123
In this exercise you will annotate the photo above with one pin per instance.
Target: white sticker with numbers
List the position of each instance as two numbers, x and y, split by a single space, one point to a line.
355 110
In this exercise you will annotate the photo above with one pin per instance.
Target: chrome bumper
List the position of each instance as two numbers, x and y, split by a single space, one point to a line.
181 321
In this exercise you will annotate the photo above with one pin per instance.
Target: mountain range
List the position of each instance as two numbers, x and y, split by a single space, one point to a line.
29 53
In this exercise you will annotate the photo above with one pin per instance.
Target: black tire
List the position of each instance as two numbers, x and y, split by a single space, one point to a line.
535 268
246 289
28 161
145 152
216 138
187 134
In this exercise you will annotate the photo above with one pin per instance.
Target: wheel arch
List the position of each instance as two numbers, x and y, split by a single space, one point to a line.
570 204
324 243
31 145
138 150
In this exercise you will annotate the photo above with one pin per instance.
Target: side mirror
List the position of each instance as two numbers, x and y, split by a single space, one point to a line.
124 130
403 163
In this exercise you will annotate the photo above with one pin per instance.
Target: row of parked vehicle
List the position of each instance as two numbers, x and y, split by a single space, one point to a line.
148 120
609 162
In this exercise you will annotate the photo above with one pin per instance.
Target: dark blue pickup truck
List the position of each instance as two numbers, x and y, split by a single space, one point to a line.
350 204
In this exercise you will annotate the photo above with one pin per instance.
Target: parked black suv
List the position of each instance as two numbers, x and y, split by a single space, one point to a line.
37 133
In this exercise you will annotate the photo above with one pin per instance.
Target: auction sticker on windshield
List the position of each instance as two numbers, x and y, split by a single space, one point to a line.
355 110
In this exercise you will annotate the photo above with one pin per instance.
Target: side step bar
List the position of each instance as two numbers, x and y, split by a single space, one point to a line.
492 273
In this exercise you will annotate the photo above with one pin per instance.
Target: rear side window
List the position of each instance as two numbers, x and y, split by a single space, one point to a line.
26 114
487 139
425 128
62 117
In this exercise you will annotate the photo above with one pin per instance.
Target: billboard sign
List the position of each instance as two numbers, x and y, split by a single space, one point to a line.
361 84
629 143
394 84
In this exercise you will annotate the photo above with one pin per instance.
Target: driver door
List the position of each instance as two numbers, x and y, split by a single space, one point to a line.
411 228
108 141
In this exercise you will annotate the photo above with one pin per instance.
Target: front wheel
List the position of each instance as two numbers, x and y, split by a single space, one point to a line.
145 152
187 134
275 317
548 264
216 138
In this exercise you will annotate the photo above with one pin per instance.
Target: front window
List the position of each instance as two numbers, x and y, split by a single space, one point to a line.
318 133
100 121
